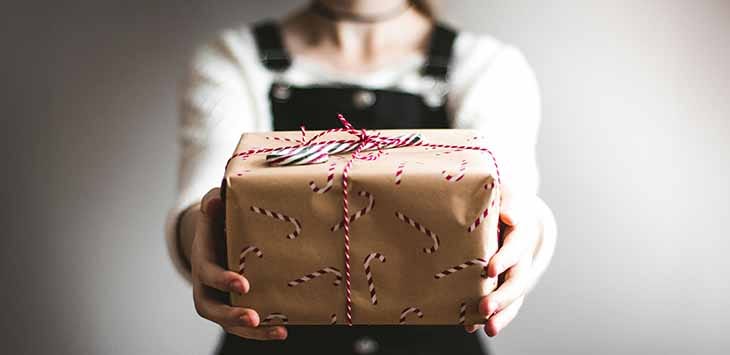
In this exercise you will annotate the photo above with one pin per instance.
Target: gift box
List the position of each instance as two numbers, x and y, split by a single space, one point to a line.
423 222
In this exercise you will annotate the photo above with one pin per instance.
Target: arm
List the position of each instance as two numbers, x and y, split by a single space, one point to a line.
216 103
213 103
216 107
503 102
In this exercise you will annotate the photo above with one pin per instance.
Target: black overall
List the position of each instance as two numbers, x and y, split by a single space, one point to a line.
316 107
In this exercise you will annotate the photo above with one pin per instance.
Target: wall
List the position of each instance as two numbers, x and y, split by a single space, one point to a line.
633 153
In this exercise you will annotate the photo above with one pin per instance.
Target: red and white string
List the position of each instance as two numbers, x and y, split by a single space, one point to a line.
317 151
365 210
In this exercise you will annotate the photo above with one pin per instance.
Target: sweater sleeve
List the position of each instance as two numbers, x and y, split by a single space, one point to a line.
215 107
502 101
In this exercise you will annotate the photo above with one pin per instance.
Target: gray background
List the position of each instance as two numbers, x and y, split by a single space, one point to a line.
633 150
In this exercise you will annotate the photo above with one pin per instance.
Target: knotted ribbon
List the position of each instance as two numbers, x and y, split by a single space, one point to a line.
312 151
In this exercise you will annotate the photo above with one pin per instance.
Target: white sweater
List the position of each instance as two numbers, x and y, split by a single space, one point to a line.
492 89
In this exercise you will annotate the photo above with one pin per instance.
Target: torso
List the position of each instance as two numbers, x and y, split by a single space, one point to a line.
316 106
356 48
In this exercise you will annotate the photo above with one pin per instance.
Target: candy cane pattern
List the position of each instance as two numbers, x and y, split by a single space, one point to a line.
369 275
421 229
462 313
364 141
464 147
284 319
408 311
360 213
318 273
333 319
457 177
281 217
399 172
330 180
466 264
484 214
242 258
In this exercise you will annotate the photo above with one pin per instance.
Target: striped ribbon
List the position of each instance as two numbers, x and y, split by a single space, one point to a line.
314 151
319 152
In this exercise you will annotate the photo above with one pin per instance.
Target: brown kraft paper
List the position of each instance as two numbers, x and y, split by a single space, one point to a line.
279 232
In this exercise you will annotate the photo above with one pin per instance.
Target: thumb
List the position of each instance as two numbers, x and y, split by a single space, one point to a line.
212 205
515 207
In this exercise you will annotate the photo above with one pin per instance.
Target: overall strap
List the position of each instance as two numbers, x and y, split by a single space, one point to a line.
439 52
270 46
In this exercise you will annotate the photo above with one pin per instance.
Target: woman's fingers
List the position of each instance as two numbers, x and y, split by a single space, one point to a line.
212 275
211 281
209 306
207 251
211 202
260 333
519 240
501 306
517 212
243 322
514 287
206 267
500 320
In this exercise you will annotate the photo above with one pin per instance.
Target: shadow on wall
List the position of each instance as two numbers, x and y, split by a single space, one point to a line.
92 119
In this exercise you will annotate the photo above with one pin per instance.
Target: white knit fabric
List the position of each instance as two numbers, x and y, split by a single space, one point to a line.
492 89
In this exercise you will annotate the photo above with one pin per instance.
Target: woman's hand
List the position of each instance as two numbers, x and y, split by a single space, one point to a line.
529 233
211 282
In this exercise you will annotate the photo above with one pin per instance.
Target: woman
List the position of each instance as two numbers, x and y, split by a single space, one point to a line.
384 64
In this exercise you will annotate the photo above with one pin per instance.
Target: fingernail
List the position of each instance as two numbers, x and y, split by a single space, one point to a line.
507 219
492 308
210 206
274 333
246 319
496 270
236 286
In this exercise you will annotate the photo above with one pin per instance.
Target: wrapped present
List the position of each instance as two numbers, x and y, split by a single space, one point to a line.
406 241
